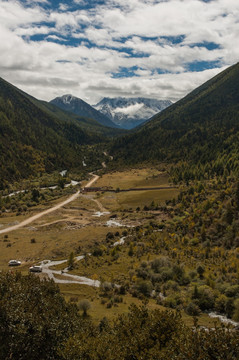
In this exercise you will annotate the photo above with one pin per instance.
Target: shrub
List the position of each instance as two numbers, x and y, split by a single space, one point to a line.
232 291
144 287
84 305
193 309
97 251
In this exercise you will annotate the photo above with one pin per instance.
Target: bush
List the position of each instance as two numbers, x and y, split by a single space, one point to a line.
232 291
144 287
159 263
193 309
106 286
206 298
97 252
84 305
236 311
220 304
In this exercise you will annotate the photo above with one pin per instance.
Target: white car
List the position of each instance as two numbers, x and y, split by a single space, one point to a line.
35 268
14 263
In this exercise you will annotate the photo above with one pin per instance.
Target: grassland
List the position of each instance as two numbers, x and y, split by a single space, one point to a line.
135 178
144 177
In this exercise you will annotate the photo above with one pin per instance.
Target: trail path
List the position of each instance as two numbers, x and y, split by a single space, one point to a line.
105 153
95 178
48 211
90 197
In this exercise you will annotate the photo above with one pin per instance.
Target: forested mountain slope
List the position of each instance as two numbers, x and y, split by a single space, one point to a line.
33 140
201 129
79 107
88 124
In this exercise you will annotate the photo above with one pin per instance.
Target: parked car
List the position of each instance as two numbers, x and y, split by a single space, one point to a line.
14 263
35 268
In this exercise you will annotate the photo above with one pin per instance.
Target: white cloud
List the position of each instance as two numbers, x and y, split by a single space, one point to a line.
93 44
129 110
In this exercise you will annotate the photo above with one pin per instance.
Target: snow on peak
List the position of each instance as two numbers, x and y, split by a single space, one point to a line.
67 99
130 112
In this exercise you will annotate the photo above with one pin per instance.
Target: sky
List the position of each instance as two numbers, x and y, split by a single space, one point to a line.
92 49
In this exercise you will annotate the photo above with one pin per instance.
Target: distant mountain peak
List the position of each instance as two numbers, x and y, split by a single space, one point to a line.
67 99
130 112
73 104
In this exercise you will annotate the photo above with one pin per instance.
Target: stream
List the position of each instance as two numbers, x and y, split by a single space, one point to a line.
223 319
69 278
72 183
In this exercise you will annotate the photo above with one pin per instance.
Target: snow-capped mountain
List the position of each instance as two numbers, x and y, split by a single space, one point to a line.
130 112
79 107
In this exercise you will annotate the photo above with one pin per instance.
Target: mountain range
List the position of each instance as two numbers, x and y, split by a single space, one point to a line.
200 132
130 112
79 107
119 112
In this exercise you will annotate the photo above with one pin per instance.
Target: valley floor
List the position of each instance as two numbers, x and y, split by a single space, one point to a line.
121 230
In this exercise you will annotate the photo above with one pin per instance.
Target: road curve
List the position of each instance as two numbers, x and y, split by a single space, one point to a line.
95 177
48 211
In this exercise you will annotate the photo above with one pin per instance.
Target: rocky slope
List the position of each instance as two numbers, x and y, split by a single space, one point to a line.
130 112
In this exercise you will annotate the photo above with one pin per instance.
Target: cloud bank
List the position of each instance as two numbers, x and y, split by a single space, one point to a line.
160 49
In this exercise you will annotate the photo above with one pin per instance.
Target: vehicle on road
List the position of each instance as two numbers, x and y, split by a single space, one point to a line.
14 263
35 268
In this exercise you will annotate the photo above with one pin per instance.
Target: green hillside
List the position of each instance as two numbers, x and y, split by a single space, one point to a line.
88 124
202 130
37 137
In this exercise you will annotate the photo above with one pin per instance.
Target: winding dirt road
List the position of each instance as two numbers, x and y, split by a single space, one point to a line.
48 211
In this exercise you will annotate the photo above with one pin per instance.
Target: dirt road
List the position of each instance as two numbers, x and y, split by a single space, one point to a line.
95 177
48 211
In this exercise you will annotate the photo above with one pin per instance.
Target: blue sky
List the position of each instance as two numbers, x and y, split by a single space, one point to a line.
153 48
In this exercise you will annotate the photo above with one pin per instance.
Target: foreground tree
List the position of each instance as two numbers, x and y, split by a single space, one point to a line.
151 335
34 318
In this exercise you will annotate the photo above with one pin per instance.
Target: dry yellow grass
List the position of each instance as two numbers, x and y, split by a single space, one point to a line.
134 199
134 178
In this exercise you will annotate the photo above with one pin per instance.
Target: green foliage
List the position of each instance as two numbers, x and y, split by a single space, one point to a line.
36 137
193 309
84 305
203 344
71 261
151 335
133 336
34 318
36 323
200 271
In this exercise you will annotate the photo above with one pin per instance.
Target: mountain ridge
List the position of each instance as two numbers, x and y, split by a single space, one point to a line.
130 112
79 107
34 140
